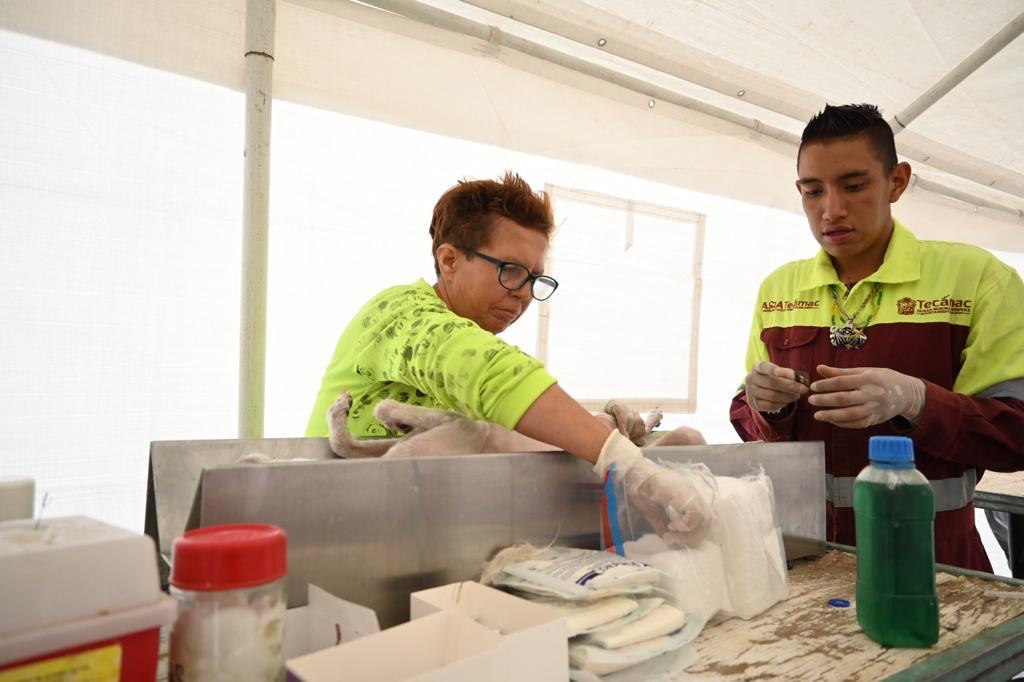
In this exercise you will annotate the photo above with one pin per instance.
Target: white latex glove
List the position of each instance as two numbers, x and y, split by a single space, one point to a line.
770 388
865 396
677 505
627 420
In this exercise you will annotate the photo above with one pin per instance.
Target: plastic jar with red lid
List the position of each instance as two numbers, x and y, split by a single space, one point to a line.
229 581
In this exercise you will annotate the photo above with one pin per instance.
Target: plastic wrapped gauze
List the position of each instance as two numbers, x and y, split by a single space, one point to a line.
568 573
752 553
663 620
693 577
738 570
584 617
601 661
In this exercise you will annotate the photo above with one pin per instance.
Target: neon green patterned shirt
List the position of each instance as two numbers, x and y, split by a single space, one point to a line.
405 344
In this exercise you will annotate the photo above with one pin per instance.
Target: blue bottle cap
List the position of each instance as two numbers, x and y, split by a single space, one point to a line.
893 451
839 603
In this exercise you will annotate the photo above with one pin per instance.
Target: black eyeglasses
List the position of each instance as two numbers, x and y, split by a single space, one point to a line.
514 276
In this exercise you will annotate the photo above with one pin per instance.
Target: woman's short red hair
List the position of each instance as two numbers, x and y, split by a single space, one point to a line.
464 215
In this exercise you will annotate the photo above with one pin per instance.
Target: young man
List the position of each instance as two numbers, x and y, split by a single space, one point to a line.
898 336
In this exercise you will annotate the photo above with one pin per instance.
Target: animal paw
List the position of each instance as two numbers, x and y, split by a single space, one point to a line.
391 414
337 414
627 420
653 420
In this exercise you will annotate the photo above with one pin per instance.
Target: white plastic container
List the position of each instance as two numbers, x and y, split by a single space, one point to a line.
79 597
229 582
17 497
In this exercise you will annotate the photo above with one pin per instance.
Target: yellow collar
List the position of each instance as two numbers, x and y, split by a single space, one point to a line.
901 263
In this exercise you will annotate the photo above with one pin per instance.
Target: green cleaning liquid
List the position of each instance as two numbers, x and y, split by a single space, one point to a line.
894 506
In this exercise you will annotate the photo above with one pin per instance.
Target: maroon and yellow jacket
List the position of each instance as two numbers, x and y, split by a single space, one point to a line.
950 314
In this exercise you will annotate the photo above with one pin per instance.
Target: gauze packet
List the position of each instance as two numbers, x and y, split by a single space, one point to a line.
568 573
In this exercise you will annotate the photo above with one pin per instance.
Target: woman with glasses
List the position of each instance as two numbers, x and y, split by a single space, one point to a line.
436 346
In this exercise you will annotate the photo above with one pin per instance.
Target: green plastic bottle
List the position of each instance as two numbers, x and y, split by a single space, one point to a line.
897 604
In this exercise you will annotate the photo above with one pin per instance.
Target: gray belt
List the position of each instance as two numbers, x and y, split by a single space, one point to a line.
950 493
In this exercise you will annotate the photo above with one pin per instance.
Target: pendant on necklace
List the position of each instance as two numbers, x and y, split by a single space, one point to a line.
847 336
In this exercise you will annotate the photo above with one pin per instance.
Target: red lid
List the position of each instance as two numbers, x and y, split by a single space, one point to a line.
229 557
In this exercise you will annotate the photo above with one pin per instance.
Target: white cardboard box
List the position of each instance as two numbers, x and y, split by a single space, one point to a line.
464 632
442 647
325 621
535 638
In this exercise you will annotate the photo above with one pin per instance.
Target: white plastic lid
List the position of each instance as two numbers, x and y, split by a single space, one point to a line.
70 568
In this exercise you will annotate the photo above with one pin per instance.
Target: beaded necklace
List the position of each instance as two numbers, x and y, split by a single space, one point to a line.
850 335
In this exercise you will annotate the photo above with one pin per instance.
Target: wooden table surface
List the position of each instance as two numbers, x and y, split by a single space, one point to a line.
1002 484
804 637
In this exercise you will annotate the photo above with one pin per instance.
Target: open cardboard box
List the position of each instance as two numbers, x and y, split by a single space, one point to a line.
535 637
325 621
442 647
463 632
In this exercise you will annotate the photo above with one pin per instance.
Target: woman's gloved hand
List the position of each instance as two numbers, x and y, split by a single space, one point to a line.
677 505
865 396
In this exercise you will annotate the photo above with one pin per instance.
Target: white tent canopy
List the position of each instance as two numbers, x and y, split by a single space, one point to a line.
665 90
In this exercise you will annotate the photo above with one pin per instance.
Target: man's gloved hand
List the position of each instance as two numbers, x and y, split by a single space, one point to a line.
678 506
770 388
865 396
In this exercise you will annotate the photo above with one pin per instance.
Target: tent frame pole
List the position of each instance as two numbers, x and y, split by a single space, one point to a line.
958 164
260 21
958 73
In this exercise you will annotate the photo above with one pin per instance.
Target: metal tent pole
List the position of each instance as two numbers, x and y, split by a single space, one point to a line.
937 156
259 58
597 29
958 73
450 21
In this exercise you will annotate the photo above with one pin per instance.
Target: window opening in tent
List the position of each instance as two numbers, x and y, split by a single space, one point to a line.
625 321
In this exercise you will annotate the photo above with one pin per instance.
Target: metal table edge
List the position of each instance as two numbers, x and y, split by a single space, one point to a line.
1013 504
995 654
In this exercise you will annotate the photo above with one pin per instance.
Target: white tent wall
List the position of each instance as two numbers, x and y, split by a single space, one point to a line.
375 116
120 233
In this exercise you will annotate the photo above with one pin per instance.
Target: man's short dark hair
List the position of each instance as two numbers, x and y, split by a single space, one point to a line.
848 120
